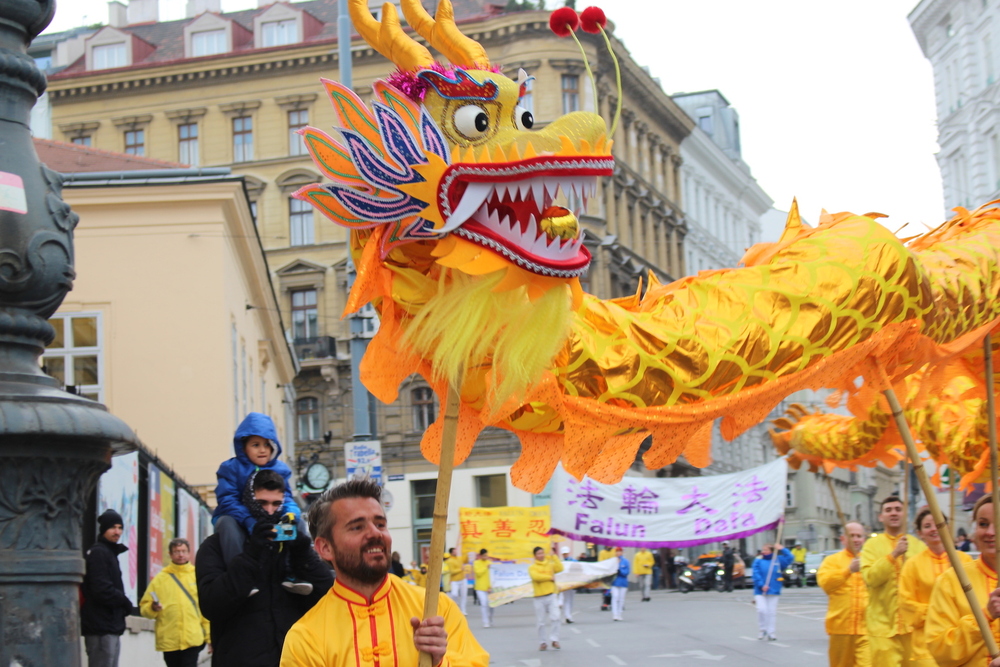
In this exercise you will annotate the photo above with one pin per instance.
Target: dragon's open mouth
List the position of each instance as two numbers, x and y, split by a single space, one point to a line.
500 206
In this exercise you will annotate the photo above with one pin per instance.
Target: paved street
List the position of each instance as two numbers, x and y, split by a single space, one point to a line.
672 630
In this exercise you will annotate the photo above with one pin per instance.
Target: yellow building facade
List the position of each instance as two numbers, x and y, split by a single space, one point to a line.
172 322
239 108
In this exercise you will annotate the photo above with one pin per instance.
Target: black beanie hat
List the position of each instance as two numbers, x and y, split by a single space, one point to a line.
108 519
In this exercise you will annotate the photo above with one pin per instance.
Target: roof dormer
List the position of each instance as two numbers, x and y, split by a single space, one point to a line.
281 24
211 34
110 48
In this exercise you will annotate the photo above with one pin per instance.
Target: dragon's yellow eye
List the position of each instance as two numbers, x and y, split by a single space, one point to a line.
472 121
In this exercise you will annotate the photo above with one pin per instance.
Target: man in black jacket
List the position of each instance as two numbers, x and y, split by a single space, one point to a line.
105 605
244 599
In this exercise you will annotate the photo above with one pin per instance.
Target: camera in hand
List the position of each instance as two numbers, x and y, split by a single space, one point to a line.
285 529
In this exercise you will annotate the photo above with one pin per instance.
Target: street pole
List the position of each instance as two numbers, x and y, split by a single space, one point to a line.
53 445
360 397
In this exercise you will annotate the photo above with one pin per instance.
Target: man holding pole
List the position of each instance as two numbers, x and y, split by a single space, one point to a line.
371 616
840 577
882 560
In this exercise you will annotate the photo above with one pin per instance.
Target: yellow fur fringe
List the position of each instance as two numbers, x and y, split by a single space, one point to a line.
467 326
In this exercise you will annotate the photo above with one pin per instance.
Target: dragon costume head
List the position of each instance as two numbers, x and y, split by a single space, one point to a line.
449 191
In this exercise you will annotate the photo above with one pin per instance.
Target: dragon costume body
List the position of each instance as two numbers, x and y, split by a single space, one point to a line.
464 230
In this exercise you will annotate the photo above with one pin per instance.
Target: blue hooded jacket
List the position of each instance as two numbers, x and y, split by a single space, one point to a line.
621 579
761 566
234 473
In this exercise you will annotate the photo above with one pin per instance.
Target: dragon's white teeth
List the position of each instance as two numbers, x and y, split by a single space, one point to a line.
538 192
524 190
474 196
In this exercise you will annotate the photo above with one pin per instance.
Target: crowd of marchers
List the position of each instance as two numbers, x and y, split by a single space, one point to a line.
263 592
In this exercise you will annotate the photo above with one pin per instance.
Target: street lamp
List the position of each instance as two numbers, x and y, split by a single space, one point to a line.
53 445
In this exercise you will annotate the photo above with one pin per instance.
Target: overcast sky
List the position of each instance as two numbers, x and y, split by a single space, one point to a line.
836 101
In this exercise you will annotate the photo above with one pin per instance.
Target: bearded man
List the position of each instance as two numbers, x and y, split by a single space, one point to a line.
370 615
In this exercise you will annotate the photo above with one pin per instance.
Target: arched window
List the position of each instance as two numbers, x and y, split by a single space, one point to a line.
307 413
423 408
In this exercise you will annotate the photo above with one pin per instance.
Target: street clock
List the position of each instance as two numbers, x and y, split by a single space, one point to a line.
317 476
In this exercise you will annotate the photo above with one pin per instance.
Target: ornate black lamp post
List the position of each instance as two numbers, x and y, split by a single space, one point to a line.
53 445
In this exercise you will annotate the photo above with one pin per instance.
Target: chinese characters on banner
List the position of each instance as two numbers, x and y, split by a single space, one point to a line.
669 512
508 533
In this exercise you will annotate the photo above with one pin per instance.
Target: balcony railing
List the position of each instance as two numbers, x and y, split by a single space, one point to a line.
320 347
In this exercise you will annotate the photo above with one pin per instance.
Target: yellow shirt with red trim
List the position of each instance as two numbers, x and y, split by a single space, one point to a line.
344 630
881 573
951 632
848 595
916 582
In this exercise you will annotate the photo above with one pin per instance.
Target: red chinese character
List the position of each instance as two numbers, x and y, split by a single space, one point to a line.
537 527
470 529
503 528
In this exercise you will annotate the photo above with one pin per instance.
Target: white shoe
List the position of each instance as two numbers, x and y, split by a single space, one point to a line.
762 636
253 592
772 638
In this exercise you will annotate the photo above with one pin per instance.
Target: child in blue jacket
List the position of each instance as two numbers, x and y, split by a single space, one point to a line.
256 447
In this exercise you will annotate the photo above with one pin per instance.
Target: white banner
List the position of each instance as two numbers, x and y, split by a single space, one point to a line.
669 512
511 581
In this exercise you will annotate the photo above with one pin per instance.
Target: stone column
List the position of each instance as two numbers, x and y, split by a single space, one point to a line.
610 205
53 445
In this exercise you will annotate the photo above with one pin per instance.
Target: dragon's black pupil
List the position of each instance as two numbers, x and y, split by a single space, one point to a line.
527 120
482 122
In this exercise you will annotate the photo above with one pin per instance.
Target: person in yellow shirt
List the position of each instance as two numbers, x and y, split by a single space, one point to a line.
882 560
481 569
916 582
369 616
606 553
171 599
839 576
459 585
642 567
417 575
543 582
952 635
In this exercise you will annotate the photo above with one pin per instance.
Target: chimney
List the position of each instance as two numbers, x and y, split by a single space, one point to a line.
143 11
198 7
265 3
117 14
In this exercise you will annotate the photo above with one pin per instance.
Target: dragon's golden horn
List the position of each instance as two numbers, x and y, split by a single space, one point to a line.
388 37
442 33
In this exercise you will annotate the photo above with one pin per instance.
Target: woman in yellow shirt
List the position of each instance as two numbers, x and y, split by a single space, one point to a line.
951 632
916 582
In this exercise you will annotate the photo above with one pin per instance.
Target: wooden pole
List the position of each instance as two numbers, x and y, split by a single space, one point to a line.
991 419
951 494
774 554
939 521
440 525
836 503
906 496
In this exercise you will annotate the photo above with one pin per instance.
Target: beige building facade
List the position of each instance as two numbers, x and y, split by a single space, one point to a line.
231 89
172 322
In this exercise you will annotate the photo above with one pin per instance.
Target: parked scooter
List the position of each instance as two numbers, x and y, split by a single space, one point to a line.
704 575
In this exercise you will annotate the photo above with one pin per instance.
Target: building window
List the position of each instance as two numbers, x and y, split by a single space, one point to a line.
789 495
423 408
242 139
135 142
74 355
305 315
705 123
307 418
423 498
187 143
107 56
527 100
492 490
297 120
253 211
81 141
300 219
279 33
988 58
570 93
208 43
